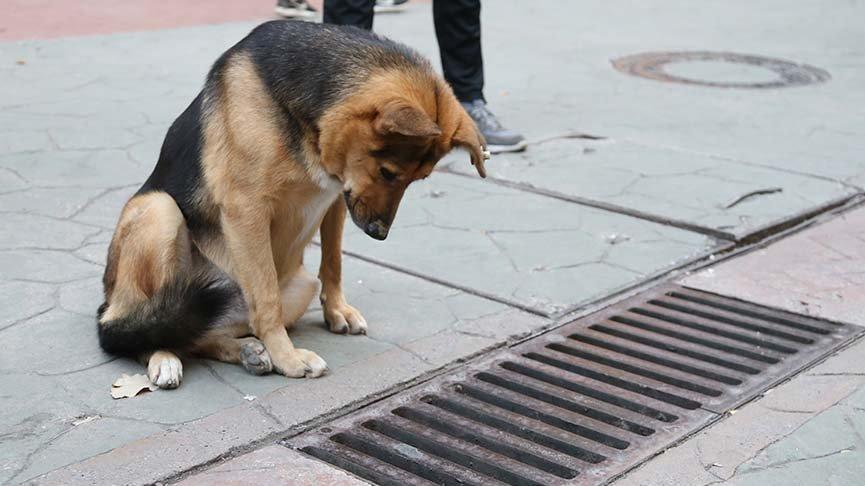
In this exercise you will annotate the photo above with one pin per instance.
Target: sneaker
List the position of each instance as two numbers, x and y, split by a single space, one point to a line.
499 139
295 9
389 6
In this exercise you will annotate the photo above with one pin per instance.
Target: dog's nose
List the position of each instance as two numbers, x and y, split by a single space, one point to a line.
377 229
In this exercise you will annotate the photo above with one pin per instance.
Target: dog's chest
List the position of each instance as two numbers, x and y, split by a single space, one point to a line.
314 208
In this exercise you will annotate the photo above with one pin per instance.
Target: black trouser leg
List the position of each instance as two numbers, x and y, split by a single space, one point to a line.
349 12
458 29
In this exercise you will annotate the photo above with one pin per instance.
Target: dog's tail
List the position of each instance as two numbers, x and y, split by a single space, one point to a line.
173 318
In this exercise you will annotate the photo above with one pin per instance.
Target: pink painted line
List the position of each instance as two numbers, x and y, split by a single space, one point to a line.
48 19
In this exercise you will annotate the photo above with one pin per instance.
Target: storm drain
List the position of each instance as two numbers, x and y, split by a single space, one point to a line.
581 404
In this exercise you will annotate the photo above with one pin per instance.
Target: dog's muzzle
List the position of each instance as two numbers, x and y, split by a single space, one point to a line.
377 230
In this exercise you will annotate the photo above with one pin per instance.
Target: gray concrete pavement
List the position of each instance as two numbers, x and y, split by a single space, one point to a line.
470 264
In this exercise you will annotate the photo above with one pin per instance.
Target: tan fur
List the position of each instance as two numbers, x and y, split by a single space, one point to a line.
150 245
268 204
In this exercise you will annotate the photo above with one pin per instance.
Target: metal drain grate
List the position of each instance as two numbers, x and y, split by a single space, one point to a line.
583 403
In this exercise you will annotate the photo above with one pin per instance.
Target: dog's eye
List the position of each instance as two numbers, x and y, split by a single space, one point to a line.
388 175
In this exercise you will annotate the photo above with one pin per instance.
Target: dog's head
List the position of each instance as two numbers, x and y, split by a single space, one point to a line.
376 152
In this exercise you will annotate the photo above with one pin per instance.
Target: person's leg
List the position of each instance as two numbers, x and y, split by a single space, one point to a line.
358 13
458 29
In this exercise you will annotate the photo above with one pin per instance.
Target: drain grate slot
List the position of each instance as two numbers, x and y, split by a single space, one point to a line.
645 326
675 349
554 421
652 358
372 448
583 403
733 322
685 385
460 432
340 459
567 404
648 312
750 310
516 430
456 455
618 382
589 392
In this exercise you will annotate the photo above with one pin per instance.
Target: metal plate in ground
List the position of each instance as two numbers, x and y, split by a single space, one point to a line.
584 403
652 65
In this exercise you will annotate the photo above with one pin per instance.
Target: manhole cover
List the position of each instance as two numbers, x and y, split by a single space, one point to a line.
720 69
584 403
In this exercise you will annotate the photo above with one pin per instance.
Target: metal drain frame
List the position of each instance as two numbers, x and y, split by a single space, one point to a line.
650 65
578 410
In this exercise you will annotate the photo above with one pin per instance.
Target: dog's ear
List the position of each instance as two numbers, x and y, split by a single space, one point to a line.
469 137
398 118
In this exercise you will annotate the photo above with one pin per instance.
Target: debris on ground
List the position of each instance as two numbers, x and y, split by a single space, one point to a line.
129 386
616 238
85 419
748 195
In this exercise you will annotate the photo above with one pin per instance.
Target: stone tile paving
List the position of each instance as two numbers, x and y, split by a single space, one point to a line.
270 465
81 121
687 188
532 250
819 272
816 129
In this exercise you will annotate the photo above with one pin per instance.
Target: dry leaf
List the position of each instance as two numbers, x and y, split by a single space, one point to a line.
128 386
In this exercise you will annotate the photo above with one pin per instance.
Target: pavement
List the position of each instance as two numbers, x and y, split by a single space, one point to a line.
627 181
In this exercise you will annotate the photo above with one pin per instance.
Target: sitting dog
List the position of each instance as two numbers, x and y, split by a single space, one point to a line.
207 257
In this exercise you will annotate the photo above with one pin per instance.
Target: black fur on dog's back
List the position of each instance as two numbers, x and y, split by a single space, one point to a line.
307 68
175 317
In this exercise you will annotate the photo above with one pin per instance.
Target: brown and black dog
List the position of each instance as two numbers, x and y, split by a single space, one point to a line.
207 257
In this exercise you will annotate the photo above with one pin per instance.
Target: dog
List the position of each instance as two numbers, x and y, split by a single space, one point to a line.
295 125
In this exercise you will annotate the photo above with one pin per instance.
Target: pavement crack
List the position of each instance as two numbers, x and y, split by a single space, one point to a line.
402 347
220 379
781 464
25 319
502 250
78 370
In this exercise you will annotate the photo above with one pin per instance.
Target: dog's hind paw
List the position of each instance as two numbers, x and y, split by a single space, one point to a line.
165 369
255 358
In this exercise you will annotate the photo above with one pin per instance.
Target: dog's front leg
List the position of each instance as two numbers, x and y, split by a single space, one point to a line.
340 316
246 228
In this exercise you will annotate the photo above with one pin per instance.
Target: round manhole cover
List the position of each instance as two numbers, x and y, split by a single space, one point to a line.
720 69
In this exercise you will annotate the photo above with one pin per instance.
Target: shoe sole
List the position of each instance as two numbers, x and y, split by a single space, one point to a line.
500 149
390 9
294 13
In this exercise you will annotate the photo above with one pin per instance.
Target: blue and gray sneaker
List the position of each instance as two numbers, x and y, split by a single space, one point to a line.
499 139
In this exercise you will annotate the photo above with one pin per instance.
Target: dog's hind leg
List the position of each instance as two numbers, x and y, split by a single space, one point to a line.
297 293
164 369
150 247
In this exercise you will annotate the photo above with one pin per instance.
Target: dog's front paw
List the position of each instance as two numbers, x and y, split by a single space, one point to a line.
255 357
343 318
299 363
